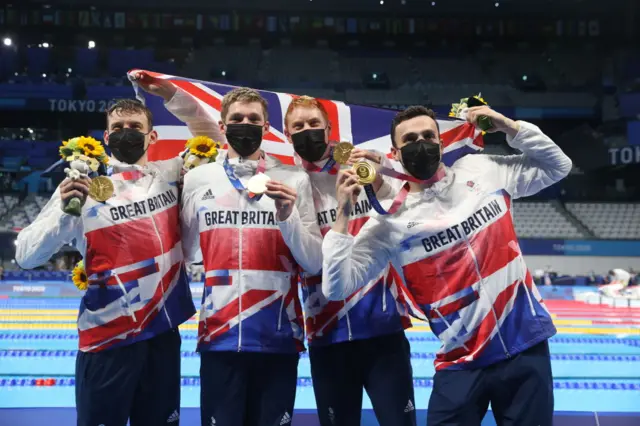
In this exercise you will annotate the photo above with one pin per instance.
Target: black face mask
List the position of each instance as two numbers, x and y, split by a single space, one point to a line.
421 158
245 139
127 145
310 144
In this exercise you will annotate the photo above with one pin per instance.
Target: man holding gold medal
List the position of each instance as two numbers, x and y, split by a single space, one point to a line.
252 245
452 231
128 232
357 342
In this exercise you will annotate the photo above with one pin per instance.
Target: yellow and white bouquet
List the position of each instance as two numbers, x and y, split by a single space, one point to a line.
85 155
459 110
200 150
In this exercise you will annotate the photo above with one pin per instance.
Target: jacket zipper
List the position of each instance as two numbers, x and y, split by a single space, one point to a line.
526 289
126 297
280 312
384 295
164 300
529 297
447 323
348 321
475 263
240 293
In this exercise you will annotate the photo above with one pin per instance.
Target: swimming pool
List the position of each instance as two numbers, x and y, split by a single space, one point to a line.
595 359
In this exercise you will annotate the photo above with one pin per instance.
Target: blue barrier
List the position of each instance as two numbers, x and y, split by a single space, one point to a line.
530 246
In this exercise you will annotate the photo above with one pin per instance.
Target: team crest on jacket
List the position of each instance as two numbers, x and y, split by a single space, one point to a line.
473 187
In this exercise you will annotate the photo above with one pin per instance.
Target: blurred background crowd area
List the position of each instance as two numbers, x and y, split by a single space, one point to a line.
564 65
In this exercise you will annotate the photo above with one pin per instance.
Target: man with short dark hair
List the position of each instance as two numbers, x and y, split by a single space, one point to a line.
128 365
454 241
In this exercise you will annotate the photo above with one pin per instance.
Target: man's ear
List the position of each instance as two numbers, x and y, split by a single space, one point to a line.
395 152
153 137
288 136
105 136
223 128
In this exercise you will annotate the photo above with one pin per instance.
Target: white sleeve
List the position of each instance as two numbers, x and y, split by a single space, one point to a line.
189 226
541 164
198 120
351 262
301 232
46 235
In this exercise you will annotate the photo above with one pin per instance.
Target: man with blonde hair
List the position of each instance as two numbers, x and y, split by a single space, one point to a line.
251 330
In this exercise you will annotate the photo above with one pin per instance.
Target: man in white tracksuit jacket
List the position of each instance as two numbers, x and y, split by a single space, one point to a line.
128 365
251 327
454 241
359 342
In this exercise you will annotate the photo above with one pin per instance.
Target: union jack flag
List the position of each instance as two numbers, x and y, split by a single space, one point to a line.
363 126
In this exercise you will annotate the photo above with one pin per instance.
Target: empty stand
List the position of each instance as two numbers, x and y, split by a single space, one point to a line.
609 220
543 220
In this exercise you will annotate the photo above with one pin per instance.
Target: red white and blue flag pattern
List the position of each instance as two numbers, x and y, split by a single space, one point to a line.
366 127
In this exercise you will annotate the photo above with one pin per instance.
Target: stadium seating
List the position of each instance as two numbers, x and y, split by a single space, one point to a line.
609 220
543 220
20 215
7 202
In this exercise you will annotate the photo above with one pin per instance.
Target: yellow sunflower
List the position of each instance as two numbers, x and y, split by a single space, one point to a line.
64 150
79 277
90 146
202 146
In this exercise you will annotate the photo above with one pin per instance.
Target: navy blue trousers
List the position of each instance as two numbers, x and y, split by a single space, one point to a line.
247 388
520 391
380 365
140 382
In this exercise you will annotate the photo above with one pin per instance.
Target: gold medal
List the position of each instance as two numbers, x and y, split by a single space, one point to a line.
101 189
342 152
365 172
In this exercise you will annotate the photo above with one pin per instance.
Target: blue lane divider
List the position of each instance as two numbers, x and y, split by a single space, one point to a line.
306 382
414 355
193 336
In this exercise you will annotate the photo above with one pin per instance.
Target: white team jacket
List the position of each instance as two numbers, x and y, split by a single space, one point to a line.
250 301
377 308
456 247
132 249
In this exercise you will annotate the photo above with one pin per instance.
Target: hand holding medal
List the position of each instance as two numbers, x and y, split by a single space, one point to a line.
346 154
85 155
284 197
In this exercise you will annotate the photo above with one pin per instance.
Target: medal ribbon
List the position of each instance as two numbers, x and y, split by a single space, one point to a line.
397 202
125 192
402 195
124 176
262 165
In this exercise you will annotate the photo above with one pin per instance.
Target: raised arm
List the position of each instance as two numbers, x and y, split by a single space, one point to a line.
184 107
52 229
350 263
541 164
298 222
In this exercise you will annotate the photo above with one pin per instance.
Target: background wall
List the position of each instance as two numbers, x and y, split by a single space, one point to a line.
581 265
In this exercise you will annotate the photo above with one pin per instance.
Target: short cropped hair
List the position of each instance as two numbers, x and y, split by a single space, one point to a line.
246 95
130 106
305 102
408 114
